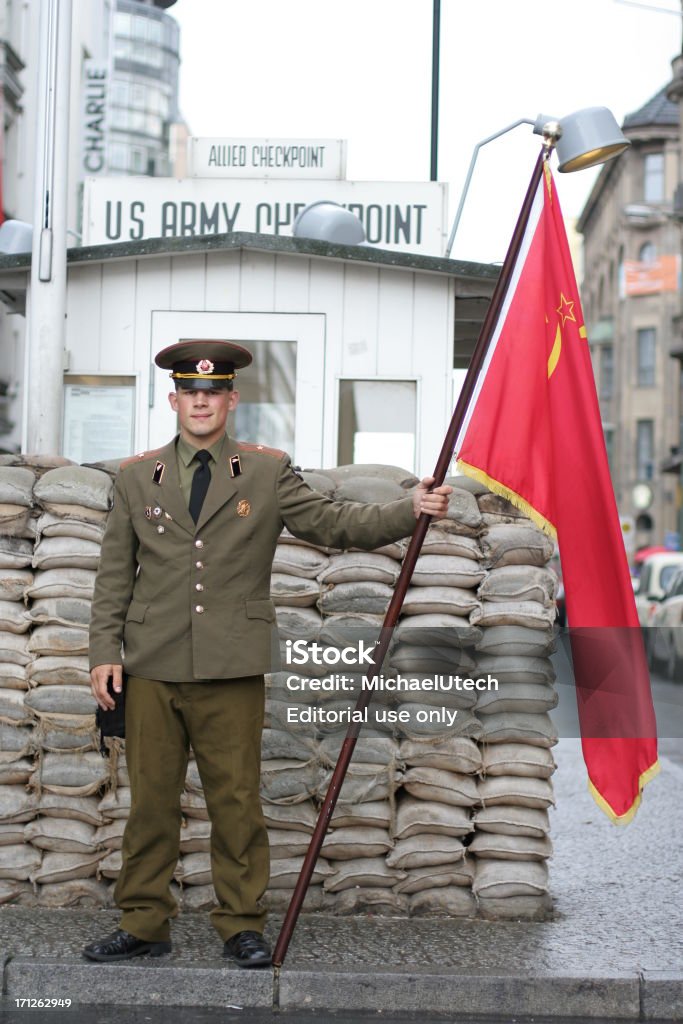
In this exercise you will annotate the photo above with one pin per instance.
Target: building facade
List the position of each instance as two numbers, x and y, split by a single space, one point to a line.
632 247
144 94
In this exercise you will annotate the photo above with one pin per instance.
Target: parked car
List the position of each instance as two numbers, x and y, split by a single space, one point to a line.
655 575
665 636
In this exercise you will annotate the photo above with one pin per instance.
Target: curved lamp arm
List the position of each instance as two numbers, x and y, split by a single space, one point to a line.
475 154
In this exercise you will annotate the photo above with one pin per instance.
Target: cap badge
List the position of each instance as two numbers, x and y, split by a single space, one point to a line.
243 508
205 366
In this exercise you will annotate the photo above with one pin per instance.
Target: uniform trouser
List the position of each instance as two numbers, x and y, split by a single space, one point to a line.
222 720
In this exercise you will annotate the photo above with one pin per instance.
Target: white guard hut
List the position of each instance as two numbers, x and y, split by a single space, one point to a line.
358 351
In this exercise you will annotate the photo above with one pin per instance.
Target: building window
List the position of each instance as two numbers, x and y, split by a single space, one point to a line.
377 420
645 448
621 274
653 178
647 252
117 156
138 161
646 344
606 371
609 444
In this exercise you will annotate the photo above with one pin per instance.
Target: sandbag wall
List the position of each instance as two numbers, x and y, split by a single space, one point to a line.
443 814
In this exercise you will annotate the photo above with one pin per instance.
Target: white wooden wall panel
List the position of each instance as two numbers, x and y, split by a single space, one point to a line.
222 280
433 360
152 291
327 296
83 318
257 281
359 356
116 343
291 284
188 281
395 323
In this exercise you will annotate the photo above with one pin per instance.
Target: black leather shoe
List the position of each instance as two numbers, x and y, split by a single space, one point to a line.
122 945
248 949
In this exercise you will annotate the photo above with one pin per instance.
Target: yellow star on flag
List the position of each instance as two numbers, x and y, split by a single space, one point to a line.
566 309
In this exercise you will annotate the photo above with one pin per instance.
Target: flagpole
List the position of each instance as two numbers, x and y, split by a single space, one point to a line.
394 609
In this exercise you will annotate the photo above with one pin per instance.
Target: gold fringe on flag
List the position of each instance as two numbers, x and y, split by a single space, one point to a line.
628 816
515 499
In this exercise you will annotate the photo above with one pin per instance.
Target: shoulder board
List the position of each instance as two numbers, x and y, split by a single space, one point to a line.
141 457
275 452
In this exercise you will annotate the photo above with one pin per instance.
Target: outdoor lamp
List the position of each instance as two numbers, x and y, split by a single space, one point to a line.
590 136
585 138
329 222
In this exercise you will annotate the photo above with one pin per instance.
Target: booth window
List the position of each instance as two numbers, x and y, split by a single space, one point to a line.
377 422
265 414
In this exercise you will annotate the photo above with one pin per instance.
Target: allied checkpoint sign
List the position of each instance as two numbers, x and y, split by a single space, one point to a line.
403 216
266 158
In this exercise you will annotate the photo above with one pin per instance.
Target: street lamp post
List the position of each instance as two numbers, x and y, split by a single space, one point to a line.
44 361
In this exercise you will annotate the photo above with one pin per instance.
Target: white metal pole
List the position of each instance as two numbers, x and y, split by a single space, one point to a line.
47 297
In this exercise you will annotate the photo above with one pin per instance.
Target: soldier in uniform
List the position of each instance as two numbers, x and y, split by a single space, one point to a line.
182 601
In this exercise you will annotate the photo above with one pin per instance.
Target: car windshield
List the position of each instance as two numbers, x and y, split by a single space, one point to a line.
667 574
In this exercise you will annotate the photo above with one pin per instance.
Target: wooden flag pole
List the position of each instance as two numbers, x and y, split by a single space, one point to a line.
394 609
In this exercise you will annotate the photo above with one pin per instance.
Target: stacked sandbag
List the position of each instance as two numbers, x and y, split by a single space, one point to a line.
444 808
73 504
511 842
17 735
432 645
75 501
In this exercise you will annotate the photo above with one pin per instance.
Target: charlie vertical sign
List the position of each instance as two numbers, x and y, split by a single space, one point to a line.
405 216
95 94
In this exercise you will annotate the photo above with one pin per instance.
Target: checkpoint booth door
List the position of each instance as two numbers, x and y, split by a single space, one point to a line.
281 393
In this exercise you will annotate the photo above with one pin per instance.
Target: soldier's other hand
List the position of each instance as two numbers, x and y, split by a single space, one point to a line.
99 677
434 503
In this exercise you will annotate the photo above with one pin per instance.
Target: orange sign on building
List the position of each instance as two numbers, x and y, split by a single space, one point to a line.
659 275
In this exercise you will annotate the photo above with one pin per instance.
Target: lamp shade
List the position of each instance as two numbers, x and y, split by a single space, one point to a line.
16 236
328 222
590 136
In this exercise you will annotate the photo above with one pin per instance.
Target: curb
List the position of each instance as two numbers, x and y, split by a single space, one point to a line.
648 996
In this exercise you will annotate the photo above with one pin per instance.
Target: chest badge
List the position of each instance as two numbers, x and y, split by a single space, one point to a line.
148 511
235 466
243 508
158 474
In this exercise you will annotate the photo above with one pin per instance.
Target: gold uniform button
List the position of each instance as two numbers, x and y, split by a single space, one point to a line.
199 586
199 565
199 608
199 543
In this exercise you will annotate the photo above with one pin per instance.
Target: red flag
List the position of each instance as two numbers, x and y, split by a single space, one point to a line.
532 432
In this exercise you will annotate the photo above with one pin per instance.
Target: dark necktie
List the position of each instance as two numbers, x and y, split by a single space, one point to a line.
200 483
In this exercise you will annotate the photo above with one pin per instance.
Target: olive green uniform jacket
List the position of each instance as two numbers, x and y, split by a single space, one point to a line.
193 602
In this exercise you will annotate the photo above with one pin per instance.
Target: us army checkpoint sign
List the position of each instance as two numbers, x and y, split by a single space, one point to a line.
403 216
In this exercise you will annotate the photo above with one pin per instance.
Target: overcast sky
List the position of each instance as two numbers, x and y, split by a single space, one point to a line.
361 70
